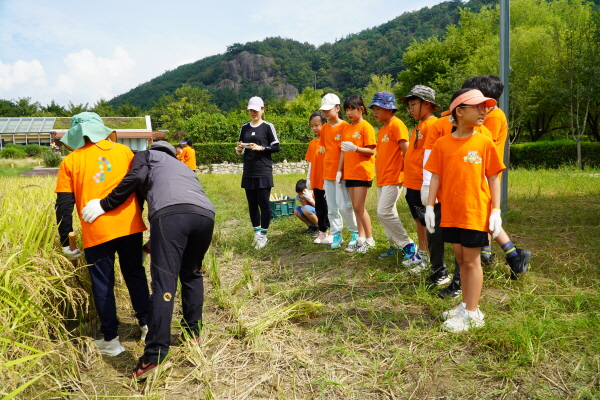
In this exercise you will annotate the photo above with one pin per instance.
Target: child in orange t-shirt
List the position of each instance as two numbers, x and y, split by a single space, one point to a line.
495 121
357 162
94 168
421 104
314 177
465 167
392 143
188 155
338 198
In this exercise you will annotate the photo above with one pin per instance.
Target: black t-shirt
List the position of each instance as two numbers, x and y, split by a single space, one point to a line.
258 164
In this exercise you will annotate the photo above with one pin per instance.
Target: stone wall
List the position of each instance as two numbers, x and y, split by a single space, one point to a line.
230 168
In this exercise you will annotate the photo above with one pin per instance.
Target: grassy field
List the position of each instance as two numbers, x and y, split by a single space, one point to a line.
301 321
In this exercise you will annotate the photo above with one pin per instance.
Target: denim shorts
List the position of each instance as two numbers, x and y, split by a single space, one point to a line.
308 208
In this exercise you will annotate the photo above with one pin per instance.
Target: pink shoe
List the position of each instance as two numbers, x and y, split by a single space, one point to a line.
322 235
327 240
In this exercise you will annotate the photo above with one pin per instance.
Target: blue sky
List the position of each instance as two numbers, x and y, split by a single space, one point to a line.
82 51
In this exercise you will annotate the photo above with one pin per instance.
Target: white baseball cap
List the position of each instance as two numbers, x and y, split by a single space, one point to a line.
329 101
256 104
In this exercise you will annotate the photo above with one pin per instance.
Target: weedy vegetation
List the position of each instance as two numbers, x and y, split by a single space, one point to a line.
301 321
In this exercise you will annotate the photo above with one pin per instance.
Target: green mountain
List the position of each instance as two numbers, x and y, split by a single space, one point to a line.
276 67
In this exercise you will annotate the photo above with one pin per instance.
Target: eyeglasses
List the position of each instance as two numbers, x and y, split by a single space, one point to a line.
478 107
410 107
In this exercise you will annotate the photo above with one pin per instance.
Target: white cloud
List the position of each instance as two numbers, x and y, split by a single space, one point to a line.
21 72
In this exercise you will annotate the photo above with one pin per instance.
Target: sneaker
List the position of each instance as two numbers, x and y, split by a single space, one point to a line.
487 259
261 241
111 348
439 280
353 239
311 230
419 269
328 240
518 264
366 246
145 368
337 241
410 261
453 312
144 332
451 291
320 237
409 251
351 248
255 238
388 253
464 321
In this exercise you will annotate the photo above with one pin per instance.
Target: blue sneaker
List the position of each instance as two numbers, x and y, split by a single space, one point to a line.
337 241
410 250
353 243
410 261
389 252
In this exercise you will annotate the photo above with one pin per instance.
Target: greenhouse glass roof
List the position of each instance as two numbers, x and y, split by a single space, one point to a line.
26 125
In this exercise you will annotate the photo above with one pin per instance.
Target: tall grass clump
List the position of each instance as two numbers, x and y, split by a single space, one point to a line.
38 293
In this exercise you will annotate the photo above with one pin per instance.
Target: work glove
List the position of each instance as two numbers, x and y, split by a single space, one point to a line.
71 254
92 210
424 194
495 222
308 184
349 146
430 219
338 177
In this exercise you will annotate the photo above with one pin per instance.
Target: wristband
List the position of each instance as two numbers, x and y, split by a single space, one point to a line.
429 205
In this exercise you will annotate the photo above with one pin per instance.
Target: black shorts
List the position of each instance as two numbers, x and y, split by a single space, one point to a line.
465 237
417 209
355 183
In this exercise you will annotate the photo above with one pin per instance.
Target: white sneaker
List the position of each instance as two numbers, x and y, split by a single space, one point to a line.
416 259
366 246
464 321
322 236
144 332
112 348
261 242
453 312
328 240
419 269
255 238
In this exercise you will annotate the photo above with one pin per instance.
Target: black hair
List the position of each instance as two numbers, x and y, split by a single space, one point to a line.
188 141
318 114
355 102
454 96
488 85
300 185
180 146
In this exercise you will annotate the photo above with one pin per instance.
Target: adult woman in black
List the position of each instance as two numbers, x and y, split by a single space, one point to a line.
258 139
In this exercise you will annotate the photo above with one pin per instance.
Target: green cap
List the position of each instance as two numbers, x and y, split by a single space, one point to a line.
85 124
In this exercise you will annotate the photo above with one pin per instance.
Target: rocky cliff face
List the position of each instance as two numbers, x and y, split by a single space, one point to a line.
257 70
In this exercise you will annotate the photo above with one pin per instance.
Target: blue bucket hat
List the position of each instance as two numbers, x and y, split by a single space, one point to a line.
384 100
85 124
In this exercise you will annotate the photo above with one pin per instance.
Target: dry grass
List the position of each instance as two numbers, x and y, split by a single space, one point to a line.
376 335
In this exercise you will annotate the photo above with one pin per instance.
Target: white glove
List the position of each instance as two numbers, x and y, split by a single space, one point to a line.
92 210
338 177
71 254
349 146
430 219
308 184
495 222
424 194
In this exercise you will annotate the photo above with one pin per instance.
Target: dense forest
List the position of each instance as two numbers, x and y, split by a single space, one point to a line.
554 80
345 65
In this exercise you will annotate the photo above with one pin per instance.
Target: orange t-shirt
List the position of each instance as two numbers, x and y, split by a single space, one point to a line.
314 155
463 166
188 157
443 127
496 122
389 163
413 161
357 166
331 140
92 173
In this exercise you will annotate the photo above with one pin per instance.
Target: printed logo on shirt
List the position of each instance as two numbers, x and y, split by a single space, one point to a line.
419 134
253 133
338 137
472 157
385 138
104 166
356 135
321 149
